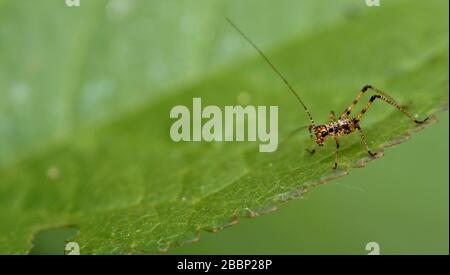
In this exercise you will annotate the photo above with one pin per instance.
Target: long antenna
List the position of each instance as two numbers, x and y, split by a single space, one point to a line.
273 67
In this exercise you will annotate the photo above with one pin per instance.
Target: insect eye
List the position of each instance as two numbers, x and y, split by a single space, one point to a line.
324 134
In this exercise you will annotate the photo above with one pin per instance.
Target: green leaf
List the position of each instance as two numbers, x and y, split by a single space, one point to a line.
85 120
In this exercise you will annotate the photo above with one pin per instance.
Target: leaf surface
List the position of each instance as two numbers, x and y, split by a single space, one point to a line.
114 172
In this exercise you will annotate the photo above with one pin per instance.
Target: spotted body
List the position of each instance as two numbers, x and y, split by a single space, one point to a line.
344 125
335 129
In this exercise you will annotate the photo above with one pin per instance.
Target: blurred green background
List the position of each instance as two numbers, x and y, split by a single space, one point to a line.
400 201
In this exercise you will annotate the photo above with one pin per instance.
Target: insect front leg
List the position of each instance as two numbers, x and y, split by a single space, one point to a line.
364 141
311 150
337 153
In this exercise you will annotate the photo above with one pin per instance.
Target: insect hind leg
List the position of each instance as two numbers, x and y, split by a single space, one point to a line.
348 110
386 98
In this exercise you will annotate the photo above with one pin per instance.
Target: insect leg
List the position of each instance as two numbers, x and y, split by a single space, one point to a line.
383 96
332 116
347 111
311 150
364 141
337 152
